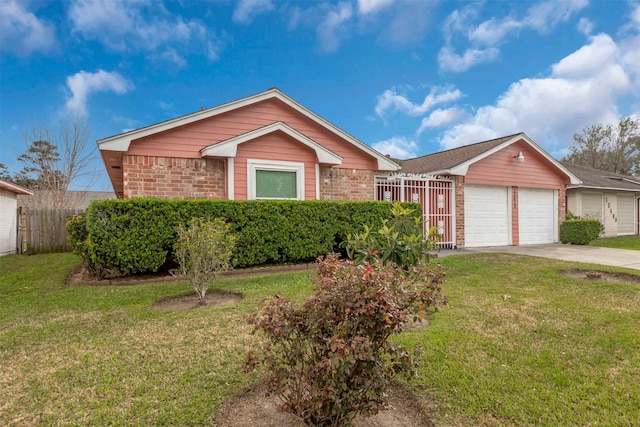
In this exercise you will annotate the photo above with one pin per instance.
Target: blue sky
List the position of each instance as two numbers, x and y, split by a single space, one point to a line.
406 77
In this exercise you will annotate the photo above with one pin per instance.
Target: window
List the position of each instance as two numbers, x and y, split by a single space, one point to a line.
268 179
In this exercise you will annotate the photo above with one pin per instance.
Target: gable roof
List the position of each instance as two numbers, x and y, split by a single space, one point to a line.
602 180
457 160
122 141
229 147
14 188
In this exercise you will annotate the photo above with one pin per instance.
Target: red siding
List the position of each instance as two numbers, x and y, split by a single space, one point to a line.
188 140
275 146
502 169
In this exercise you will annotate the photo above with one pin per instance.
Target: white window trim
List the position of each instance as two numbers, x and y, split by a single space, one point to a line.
274 165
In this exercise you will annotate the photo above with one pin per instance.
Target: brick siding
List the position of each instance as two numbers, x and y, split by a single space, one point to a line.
173 178
459 189
346 184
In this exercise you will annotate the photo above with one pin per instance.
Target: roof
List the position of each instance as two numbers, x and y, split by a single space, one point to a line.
122 141
9 186
449 159
603 180
457 160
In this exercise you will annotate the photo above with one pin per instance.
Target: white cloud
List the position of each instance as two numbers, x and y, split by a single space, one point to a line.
133 24
390 100
409 23
172 56
373 6
582 89
494 30
546 15
451 61
397 147
586 26
83 84
23 33
587 60
483 39
246 10
440 118
334 27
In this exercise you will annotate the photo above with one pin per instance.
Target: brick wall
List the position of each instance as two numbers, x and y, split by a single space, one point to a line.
173 178
562 208
459 189
346 184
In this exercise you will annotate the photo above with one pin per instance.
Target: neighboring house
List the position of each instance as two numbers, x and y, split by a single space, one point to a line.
612 198
9 216
506 191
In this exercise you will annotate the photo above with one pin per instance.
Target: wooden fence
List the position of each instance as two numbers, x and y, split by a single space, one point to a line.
45 231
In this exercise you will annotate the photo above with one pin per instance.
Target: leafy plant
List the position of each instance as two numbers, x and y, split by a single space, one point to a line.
203 251
399 240
137 235
331 359
580 231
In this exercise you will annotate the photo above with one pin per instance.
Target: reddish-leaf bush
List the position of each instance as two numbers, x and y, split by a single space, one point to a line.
331 359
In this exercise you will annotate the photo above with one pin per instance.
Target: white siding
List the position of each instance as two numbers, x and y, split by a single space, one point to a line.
8 222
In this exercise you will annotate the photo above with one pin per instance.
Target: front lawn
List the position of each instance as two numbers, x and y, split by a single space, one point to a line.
517 345
628 242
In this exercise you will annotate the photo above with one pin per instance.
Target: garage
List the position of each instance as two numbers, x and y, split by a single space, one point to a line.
537 213
486 214
626 215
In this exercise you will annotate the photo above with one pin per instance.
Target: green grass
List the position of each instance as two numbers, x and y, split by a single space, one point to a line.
629 242
517 345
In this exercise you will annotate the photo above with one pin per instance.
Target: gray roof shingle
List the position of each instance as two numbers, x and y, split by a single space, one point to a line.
595 178
448 159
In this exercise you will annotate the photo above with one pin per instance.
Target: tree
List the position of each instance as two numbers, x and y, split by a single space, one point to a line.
54 159
203 251
613 148
4 173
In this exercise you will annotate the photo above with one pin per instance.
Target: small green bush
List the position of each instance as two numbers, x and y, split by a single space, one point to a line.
400 240
78 235
203 252
580 231
331 359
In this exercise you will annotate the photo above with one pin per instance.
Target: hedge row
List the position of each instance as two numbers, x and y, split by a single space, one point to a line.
580 231
123 237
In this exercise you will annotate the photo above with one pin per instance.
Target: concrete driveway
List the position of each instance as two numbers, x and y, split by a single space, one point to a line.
587 254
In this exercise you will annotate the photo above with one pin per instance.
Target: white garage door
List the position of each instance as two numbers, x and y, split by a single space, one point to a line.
486 216
626 215
536 216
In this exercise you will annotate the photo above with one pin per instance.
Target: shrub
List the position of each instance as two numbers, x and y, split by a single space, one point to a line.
580 231
331 359
203 251
137 235
76 227
400 240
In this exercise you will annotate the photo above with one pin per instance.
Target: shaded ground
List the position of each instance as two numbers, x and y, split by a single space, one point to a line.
191 302
251 408
601 276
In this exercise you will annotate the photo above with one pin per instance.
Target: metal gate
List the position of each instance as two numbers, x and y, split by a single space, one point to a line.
433 193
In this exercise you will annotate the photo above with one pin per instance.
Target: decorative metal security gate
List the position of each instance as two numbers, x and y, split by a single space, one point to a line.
433 193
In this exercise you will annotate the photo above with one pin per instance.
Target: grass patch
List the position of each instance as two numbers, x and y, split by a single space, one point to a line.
628 242
517 345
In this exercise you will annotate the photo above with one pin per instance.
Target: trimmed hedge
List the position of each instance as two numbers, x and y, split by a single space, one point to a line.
136 235
580 231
